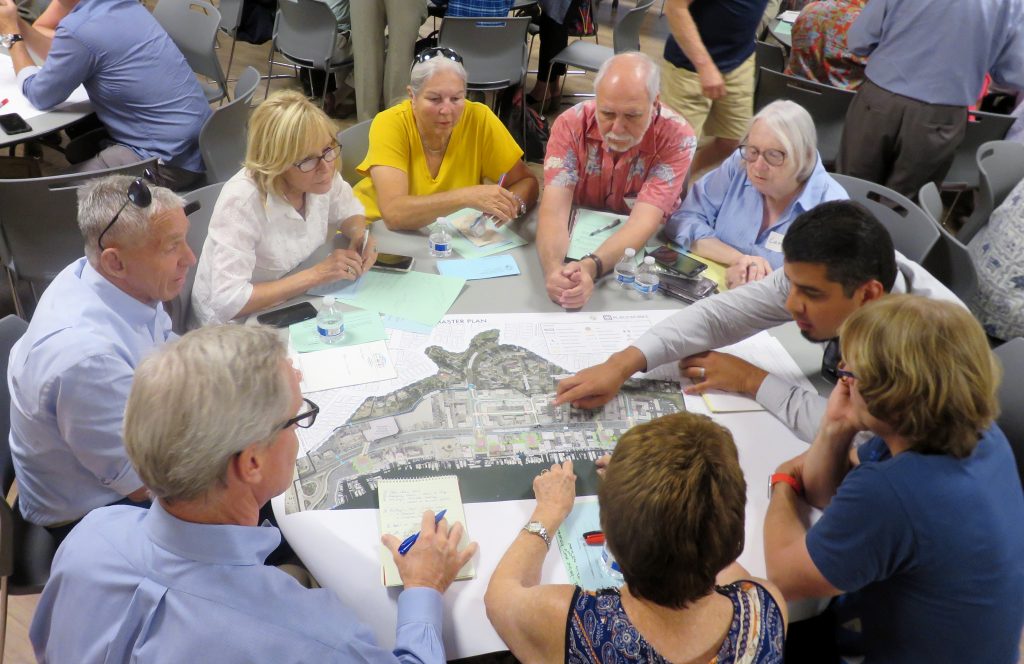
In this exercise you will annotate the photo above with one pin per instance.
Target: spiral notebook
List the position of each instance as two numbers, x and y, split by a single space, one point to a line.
402 503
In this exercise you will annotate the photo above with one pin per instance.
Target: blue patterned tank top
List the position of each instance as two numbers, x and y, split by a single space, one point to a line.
598 631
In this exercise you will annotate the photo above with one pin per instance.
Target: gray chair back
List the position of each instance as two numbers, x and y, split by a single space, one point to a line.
180 308
826 105
913 233
222 140
39 222
1000 168
305 32
769 56
626 35
193 25
949 261
494 50
981 128
355 143
1011 399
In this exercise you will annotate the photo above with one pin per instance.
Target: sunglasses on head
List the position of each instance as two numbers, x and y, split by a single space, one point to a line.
140 196
436 52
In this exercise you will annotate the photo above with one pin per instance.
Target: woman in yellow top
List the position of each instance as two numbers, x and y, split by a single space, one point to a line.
429 154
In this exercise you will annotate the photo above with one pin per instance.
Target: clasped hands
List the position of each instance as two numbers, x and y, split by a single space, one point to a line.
570 286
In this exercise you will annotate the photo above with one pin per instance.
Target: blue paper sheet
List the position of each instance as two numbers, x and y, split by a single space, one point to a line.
479 268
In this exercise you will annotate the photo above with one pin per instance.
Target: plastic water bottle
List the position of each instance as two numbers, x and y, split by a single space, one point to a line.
625 269
441 240
330 324
611 566
647 279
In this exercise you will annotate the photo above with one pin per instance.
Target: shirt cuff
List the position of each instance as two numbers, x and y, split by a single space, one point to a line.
24 74
421 605
126 482
651 348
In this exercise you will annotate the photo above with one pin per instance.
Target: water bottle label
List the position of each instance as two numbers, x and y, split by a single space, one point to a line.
439 247
625 278
331 331
646 289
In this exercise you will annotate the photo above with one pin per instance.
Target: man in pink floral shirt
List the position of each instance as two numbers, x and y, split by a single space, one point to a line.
622 152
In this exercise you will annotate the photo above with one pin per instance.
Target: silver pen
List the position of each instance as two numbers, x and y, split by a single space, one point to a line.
606 228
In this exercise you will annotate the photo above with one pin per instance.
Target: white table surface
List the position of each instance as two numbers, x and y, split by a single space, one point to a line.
341 547
42 122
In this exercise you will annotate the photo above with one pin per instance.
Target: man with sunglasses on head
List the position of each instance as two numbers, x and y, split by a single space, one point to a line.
142 89
622 152
69 375
836 258
210 425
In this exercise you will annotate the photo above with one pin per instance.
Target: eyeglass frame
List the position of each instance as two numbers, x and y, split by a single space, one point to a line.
428 54
310 414
138 194
335 148
843 373
744 147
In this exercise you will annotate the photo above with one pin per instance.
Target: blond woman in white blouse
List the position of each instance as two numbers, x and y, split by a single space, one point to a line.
286 202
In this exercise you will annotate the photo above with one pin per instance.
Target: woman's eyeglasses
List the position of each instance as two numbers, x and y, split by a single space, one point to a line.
305 419
138 194
771 156
310 163
437 52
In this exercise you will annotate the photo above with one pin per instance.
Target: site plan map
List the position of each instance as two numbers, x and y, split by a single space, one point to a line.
473 398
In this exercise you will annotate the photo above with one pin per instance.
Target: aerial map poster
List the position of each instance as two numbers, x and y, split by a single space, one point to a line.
473 399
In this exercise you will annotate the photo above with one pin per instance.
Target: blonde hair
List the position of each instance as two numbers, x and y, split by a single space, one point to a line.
281 130
924 368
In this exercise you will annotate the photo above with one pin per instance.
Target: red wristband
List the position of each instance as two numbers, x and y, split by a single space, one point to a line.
788 479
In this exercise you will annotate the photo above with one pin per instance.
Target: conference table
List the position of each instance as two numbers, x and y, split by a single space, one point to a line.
42 122
341 547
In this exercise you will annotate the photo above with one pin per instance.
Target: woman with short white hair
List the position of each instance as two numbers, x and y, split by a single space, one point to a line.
430 155
738 213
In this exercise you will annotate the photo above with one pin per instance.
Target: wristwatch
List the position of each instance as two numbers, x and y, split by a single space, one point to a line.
598 263
791 480
537 528
522 204
10 38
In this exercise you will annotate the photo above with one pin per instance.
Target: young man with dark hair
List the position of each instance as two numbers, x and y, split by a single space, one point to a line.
838 257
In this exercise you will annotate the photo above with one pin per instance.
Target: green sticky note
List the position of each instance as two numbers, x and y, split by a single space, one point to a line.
783 28
361 327
591 230
417 296
506 238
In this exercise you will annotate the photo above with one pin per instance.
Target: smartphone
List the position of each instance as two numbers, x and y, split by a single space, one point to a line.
12 123
677 262
686 289
394 262
288 315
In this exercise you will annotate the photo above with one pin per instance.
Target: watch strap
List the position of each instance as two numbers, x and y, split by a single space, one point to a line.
786 478
537 528
597 263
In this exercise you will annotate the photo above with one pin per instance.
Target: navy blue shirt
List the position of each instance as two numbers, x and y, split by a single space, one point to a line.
928 548
727 28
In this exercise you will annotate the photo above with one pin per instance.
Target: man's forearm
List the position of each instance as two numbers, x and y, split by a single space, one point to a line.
552 242
686 34
639 228
783 530
828 462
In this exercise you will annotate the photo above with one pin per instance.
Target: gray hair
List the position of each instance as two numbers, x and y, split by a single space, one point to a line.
424 71
100 199
200 400
794 128
650 71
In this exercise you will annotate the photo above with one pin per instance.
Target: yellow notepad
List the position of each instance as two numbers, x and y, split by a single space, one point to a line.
402 503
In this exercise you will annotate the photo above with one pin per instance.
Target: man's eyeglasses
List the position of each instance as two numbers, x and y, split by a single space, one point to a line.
138 194
437 52
305 419
771 156
309 163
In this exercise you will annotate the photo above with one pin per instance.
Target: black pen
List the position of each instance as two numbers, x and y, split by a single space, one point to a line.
607 228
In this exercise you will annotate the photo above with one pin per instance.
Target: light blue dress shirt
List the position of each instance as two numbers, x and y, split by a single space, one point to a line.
139 83
135 585
938 51
724 204
69 378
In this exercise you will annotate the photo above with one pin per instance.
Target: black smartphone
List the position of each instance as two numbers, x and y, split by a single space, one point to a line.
12 123
393 262
671 259
287 316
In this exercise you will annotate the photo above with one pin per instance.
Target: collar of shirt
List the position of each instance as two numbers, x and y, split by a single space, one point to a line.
136 313
209 543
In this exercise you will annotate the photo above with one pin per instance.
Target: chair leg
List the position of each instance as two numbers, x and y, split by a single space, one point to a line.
547 85
3 617
231 57
270 69
19 308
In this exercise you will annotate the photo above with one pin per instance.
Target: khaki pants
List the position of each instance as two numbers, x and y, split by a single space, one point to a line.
728 117
897 141
374 75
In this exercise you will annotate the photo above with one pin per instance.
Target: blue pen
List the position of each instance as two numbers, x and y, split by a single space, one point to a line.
404 547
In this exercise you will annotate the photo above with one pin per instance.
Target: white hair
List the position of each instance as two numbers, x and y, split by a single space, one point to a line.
100 199
648 69
794 128
424 71
200 400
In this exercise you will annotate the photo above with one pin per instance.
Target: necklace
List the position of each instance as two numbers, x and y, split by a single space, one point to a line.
440 150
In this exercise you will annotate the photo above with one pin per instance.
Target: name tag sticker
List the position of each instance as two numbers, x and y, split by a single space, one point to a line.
774 242
630 201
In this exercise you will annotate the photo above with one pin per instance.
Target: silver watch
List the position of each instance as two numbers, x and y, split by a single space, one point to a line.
537 528
8 39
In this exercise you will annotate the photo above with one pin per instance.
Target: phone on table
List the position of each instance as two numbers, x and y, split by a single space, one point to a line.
674 261
12 123
686 289
393 262
296 313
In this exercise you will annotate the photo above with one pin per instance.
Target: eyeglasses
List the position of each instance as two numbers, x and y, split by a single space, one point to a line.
843 373
309 163
771 156
138 195
437 52
303 420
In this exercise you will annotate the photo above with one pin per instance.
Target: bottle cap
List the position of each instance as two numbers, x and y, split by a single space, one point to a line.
630 251
329 300
649 260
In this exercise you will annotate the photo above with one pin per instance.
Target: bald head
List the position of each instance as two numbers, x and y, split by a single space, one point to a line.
629 74
627 93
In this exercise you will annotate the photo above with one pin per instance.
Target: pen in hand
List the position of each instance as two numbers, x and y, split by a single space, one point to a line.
407 543
366 237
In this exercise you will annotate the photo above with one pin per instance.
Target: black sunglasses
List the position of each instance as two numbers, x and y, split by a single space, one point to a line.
138 195
437 52
303 420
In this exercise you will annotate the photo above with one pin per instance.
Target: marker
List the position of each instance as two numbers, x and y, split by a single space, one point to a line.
404 547
4 102
593 537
